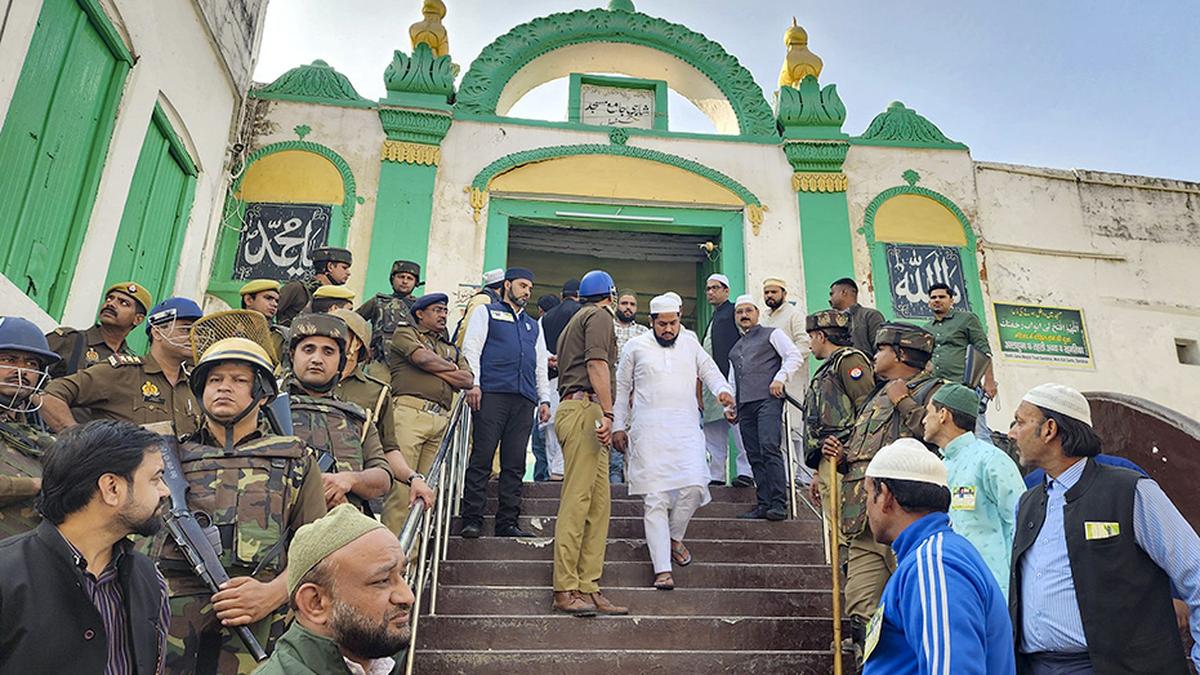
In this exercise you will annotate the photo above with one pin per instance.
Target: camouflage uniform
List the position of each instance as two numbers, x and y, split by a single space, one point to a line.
257 496
22 443
870 564
385 311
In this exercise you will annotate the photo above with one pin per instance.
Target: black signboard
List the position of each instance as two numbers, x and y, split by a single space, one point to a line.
277 240
913 268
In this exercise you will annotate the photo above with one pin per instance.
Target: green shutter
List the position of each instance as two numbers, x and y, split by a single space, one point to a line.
53 146
155 217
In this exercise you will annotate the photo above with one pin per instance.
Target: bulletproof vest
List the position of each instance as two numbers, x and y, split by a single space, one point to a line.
21 449
828 408
755 363
329 425
508 363
248 495
390 311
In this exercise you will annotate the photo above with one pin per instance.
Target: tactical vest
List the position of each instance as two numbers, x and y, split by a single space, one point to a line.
332 426
21 449
755 363
508 364
390 311
249 495
828 408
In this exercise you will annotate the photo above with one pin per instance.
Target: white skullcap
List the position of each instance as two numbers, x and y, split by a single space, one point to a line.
1061 399
493 277
664 303
746 299
674 296
908 459
719 277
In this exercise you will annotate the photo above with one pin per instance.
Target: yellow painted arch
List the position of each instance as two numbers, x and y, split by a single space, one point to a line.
614 177
917 219
292 177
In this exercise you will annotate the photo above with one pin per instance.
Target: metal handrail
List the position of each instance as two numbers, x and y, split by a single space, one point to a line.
429 529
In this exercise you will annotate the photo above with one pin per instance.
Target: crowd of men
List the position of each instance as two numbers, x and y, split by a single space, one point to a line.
236 491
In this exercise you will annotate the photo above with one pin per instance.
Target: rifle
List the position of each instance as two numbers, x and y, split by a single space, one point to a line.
279 415
195 544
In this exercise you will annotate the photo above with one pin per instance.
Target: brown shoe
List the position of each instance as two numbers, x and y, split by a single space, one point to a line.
574 603
603 606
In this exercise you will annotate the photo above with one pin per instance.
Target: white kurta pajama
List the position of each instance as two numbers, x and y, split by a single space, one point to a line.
666 462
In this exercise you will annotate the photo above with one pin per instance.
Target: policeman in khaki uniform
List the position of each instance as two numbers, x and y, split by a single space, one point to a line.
840 388
328 298
141 390
262 296
895 411
331 267
426 371
124 308
258 490
25 359
385 311
372 394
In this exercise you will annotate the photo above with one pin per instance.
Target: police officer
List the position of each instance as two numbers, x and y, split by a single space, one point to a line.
262 296
258 490
895 411
124 308
25 358
385 311
141 390
328 298
426 370
840 388
331 267
489 292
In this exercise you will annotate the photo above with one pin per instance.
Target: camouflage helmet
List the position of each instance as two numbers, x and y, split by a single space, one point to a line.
359 328
905 335
827 318
239 349
325 325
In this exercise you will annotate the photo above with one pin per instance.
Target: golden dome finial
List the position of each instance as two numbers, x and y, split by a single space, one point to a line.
800 62
430 31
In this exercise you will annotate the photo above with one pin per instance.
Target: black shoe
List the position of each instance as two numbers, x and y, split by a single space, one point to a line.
743 481
470 530
778 513
716 482
754 514
512 531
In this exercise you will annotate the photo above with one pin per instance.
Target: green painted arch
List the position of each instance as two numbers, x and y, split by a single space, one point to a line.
883 301
501 60
509 162
351 199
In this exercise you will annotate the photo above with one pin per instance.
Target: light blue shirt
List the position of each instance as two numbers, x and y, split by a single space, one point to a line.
985 487
1050 620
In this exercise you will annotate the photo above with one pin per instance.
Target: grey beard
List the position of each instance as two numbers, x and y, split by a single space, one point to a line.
363 638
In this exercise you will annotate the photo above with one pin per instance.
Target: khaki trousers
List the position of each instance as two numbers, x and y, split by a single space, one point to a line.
418 434
869 566
581 530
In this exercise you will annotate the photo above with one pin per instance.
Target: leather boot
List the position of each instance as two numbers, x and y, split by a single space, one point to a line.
574 603
603 606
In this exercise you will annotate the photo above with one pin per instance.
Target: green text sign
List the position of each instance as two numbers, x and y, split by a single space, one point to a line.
1034 333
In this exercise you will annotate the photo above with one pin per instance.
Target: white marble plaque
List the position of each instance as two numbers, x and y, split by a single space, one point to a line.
616 106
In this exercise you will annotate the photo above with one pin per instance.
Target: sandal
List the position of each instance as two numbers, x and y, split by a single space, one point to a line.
664 582
680 554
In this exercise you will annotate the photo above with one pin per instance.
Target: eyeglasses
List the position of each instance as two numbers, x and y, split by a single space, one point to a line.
715 287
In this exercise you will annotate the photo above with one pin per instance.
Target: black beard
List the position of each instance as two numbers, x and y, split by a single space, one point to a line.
625 318
664 342
144 528
358 635
773 303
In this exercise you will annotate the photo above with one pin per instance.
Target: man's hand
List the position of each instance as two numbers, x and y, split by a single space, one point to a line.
544 413
724 398
832 448
896 390
776 388
421 490
337 485
620 441
474 397
814 493
731 415
990 388
552 361
604 431
245 600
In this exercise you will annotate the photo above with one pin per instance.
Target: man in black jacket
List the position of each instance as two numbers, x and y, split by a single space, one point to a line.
74 595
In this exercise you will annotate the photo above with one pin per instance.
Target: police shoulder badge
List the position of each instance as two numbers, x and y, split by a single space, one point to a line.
91 355
856 373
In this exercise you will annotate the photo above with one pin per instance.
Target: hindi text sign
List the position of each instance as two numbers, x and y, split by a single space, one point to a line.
1043 334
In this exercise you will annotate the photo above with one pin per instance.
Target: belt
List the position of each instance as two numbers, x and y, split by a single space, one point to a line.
421 404
581 396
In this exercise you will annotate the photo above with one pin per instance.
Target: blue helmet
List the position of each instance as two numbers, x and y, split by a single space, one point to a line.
596 283
172 309
21 335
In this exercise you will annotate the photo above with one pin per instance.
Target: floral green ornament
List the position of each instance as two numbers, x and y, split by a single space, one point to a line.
317 82
903 127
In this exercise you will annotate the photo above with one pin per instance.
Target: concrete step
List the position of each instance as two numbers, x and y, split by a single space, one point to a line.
805 528
631 507
703 550
535 601
696 575
629 632
552 489
610 661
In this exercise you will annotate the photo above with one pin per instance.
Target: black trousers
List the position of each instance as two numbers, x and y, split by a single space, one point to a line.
1050 663
506 419
761 424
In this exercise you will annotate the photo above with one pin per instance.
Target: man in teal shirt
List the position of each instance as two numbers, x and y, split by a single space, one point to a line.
984 483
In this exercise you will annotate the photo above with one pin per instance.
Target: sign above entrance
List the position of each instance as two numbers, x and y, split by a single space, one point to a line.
1043 334
277 240
623 102
912 269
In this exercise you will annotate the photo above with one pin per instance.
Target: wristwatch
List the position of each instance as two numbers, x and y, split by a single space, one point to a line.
413 477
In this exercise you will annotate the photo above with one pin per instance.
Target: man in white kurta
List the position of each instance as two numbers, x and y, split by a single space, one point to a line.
789 319
666 462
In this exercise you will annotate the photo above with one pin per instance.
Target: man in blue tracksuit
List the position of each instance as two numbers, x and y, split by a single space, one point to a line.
942 611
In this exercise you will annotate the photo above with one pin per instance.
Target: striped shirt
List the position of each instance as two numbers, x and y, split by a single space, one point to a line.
106 594
1050 620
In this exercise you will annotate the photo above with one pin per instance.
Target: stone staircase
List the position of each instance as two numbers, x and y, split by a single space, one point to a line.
755 599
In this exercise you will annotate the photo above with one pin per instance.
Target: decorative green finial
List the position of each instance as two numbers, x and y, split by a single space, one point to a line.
302 130
317 82
902 126
911 177
621 6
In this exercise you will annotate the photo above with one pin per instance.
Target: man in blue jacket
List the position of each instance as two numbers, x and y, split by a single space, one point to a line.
941 611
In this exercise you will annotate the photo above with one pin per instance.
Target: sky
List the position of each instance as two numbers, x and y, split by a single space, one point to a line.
1068 84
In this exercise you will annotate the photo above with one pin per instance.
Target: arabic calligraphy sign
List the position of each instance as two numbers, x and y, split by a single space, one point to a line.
616 106
277 239
912 269
1034 333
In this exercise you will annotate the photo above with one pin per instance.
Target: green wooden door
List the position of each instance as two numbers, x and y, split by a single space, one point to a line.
53 146
155 216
